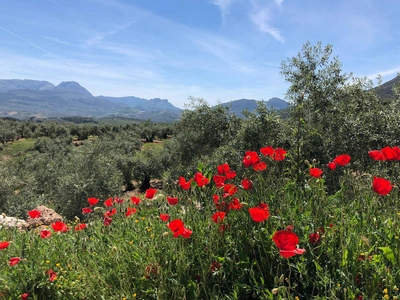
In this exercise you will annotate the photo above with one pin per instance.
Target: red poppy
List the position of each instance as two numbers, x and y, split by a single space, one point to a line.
107 221
52 275
250 159
247 184
287 241
109 202
172 200
235 204
219 180
200 179
87 210
80 226
267 151
111 212
396 149
34 214
59 226
44 234
223 169
316 172
289 227
218 217
389 153
381 186
135 200
176 227
24 296
164 217
4 245
376 155
184 184
359 297
279 154
93 201
150 193
215 266
260 166
314 238
342 160
186 233
260 213
331 165
229 190
230 174
216 199
223 227
119 200
130 211
14 261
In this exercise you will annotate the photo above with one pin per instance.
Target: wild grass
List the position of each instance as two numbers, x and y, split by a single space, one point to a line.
357 254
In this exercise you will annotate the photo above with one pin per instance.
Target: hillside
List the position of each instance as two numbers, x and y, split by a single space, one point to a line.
385 90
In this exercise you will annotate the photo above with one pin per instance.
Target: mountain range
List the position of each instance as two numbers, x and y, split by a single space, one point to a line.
26 98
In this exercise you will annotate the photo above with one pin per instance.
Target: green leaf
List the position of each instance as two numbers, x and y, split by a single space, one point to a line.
388 253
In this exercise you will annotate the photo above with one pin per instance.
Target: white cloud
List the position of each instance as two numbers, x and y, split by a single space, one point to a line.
261 20
223 6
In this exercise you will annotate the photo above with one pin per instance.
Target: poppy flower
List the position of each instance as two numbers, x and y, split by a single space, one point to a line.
186 233
93 201
44 234
52 275
87 210
172 200
230 174
200 179
130 211
260 213
381 186
215 266
80 226
250 158
119 200
164 217
218 217
223 169
135 200
342 160
111 212
267 151
314 238
24 296
260 166
107 221
316 172
184 184
376 155
331 165
229 190
34 214
59 226
279 154
389 153
109 202
287 241
359 297
14 261
176 226
247 184
150 193
219 180
4 245
235 204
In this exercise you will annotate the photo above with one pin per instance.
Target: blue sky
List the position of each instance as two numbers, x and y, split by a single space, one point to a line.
218 50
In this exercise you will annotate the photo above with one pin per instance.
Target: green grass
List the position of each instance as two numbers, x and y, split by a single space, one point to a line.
137 257
155 145
18 147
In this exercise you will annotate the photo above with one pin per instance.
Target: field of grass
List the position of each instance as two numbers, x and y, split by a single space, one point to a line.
217 236
18 147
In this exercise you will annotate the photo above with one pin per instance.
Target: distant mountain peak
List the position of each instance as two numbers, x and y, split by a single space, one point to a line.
72 86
